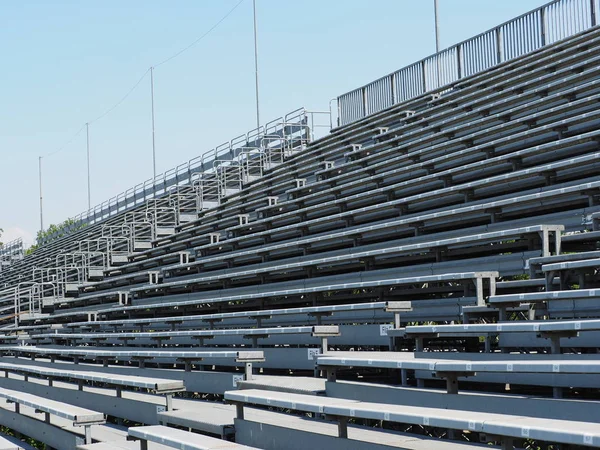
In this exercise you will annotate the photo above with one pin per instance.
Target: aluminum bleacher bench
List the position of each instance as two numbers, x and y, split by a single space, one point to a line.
419 157
180 439
161 386
552 330
452 369
80 416
417 175
141 356
316 312
476 277
564 269
319 331
368 154
535 264
583 296
5 444
508 427
388 249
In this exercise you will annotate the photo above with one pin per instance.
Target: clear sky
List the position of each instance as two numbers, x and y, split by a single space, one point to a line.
65 62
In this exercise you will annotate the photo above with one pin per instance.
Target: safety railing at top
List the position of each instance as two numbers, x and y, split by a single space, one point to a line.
546 25
10 252
296 122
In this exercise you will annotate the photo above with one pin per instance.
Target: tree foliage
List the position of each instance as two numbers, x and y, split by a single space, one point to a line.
54 232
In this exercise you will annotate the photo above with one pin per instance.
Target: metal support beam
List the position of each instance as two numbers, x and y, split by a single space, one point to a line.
41 201
256 64
89 184
437 26
152 103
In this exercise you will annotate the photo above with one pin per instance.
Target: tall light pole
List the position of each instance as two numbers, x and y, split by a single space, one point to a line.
437 26
152 101
89 184
256 65
41 209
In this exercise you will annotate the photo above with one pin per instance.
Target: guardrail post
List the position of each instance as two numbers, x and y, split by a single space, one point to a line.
393 86
543 26
499 48
593 12
424 72
364 101
459 61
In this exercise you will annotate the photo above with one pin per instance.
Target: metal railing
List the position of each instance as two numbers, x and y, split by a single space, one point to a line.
286 127
546 25
11 252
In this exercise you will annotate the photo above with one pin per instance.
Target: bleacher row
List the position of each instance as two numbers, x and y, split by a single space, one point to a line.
341 297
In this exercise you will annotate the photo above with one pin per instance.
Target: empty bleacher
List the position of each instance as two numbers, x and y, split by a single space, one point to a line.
426 277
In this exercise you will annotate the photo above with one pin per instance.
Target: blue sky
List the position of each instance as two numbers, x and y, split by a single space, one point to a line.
66 62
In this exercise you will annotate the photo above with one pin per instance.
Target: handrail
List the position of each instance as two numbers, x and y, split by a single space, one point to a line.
524 34
183 173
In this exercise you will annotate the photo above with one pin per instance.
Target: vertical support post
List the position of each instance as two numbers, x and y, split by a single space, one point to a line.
437 26
239 410
343 427
248 372
143 444
459 61
543 26
169 402
393 88
555 344
479 291
41 206
88 434
499 47
89 184
507 443
593 13
256 65
545 243
364 101
324 346
152 103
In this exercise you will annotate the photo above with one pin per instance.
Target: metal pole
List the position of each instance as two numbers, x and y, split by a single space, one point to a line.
41 207
87 132
256 65
437 27
153 142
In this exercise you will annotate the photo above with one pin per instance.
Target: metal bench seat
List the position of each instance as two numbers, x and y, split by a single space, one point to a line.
340 201
318 331
381 150
180 439
365 127
420 173
535 264
77 354
257 315
383 250
370 279
271 221
79 416
420 219
548 329
353 168
452 366
157 385
6 444
507 426
542 326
